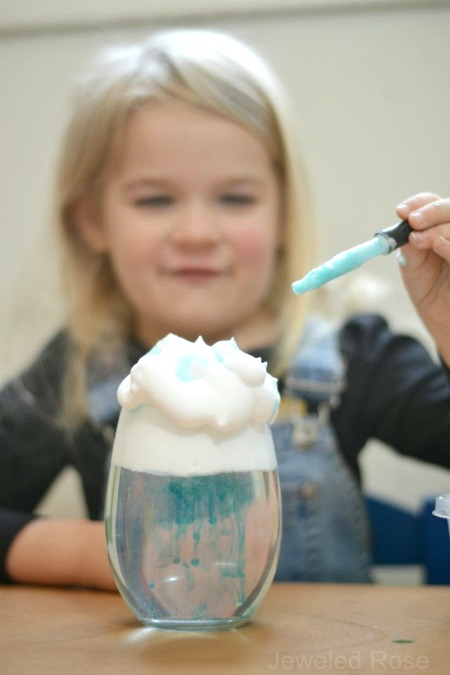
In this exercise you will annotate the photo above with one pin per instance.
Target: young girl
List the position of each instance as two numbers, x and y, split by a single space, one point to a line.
182 208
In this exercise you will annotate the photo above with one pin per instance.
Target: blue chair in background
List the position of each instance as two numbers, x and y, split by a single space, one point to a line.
404 538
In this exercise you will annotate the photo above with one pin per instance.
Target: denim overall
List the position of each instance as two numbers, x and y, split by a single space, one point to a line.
325 535
325 532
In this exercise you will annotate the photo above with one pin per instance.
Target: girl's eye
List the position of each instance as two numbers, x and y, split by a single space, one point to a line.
155 201
237 199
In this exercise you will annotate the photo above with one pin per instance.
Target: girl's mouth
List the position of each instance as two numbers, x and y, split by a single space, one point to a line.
193 273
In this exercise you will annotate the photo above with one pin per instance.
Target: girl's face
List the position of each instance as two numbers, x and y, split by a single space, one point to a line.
191 222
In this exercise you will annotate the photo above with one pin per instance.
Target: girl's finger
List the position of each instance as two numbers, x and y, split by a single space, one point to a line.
415 202
430 215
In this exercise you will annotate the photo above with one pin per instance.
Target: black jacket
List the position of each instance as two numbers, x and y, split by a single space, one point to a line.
394 392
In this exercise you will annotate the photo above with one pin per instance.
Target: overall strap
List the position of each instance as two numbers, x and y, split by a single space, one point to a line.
314 381
317 372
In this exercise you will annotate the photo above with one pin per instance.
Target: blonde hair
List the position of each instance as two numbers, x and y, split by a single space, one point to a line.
207 69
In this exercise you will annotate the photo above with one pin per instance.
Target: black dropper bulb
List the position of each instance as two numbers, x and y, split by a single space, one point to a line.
397 234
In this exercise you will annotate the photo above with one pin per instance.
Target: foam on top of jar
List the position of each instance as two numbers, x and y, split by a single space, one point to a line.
196 385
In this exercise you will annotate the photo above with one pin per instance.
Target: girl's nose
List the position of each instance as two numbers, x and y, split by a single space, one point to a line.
196 226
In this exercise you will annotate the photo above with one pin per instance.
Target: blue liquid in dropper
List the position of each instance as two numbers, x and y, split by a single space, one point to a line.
342 263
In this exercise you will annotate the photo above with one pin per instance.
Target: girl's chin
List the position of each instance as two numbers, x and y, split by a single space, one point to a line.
209 333
188 330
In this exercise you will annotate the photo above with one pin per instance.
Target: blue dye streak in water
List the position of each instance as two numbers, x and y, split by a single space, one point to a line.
342 263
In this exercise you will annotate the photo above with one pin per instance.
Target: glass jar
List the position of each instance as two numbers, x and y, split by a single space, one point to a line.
193 544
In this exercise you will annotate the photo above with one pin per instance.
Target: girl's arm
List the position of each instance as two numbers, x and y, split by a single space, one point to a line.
427 272
61 552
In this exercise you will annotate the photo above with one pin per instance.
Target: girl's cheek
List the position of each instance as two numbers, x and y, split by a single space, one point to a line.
253 245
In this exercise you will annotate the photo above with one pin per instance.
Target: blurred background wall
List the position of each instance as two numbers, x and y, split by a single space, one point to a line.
370 84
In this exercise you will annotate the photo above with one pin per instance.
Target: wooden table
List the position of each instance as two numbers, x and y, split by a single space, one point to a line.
302 628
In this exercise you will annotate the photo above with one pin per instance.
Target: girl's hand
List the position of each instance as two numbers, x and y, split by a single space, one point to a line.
426 273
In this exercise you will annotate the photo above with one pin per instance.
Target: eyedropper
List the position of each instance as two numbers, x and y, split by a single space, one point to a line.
383 242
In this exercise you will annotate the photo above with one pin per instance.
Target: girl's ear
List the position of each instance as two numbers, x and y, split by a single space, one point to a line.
90 225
